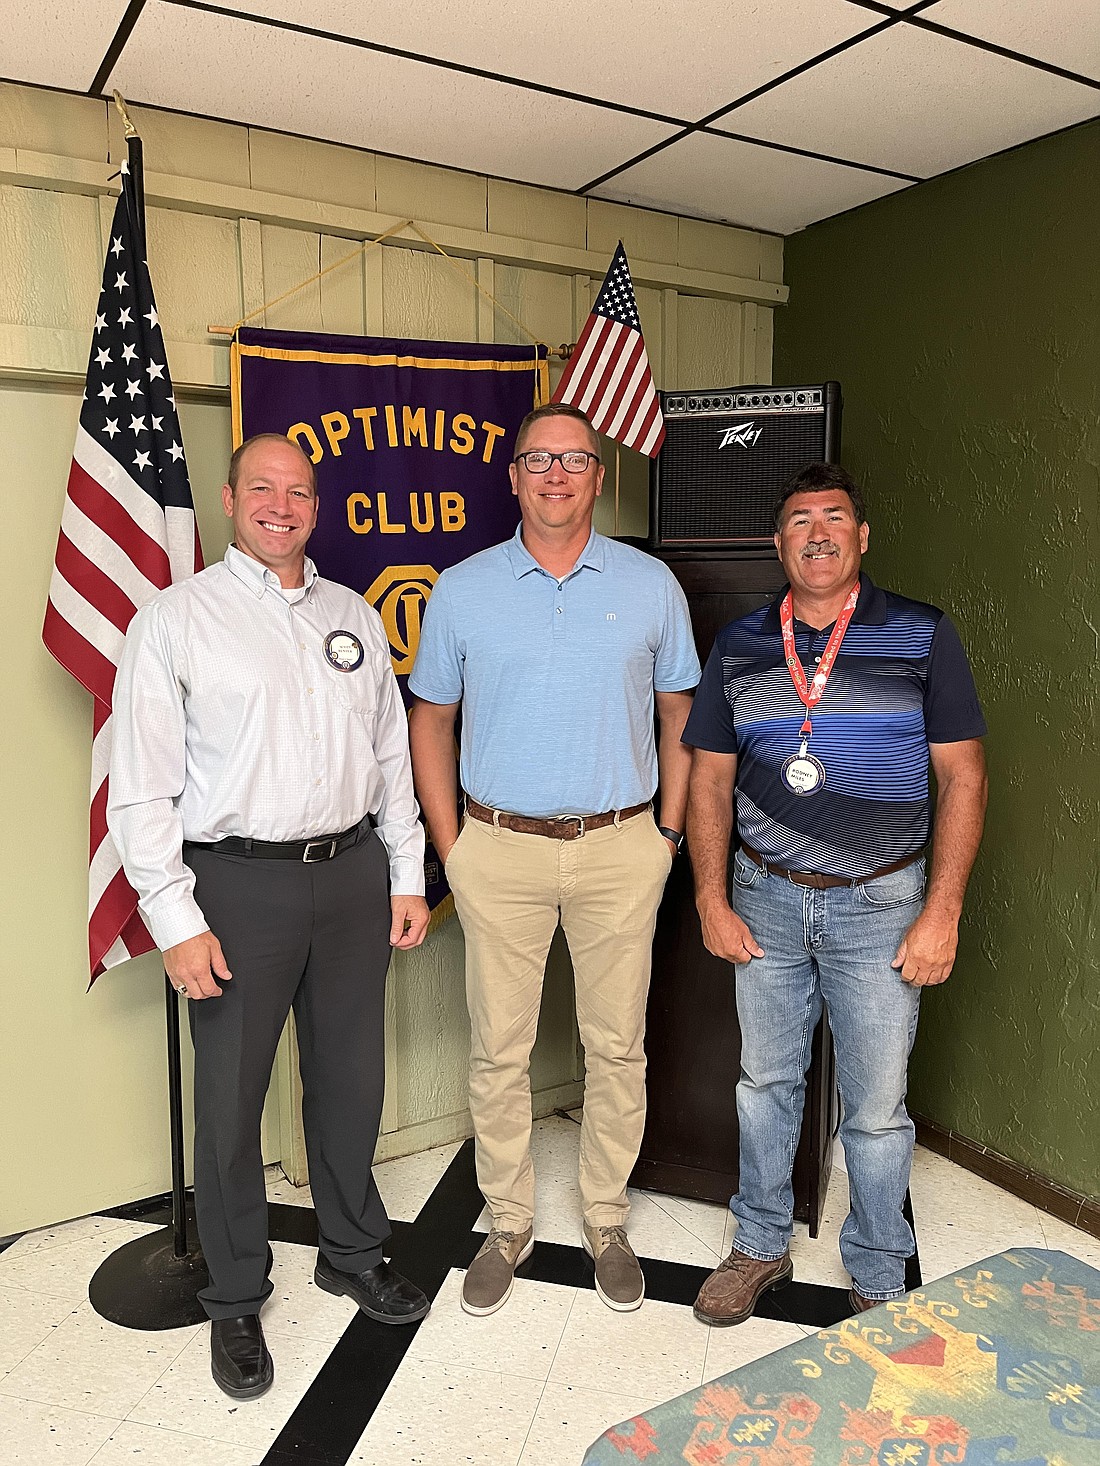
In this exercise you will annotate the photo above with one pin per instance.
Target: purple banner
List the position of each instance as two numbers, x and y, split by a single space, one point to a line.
411 442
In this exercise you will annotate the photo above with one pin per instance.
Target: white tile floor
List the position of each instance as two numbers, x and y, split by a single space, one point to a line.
530 1386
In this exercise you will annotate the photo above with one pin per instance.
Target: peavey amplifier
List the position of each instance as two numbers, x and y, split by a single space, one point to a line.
727 454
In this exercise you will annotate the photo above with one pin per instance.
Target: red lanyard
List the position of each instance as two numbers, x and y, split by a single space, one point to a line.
811 695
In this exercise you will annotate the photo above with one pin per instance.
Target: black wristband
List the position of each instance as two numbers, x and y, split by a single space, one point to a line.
676 837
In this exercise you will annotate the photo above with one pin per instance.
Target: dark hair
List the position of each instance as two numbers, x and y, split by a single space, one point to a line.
238 455
818 478
555 409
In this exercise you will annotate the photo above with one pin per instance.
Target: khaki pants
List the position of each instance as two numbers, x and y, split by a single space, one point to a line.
510 891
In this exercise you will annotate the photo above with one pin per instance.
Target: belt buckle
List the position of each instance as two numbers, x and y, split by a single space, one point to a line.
308 858
577 818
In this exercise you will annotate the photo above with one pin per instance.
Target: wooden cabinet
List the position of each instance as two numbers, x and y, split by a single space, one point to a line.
693 1042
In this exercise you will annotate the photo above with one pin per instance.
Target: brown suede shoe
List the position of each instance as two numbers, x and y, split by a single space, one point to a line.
619 1280
859 1304
732 1291
488 1280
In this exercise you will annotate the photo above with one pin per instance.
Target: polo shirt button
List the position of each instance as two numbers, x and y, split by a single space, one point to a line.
559 610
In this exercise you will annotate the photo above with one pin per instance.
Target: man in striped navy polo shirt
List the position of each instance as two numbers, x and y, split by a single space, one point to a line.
819 715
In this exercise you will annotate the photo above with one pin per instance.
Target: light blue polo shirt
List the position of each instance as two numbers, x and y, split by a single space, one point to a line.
556 678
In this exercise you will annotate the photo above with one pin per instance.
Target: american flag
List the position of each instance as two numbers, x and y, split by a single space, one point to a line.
127 531
608 375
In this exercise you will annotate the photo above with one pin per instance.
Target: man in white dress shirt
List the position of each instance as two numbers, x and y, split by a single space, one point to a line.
262 801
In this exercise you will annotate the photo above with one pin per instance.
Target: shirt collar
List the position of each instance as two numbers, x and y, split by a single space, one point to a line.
593 556
258 577
870 608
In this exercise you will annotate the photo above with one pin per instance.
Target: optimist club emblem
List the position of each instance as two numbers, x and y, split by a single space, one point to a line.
343 651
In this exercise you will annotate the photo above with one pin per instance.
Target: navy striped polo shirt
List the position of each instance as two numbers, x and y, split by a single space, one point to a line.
900 681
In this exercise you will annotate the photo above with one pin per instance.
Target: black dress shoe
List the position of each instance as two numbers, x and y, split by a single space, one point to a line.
380 1292
239 1360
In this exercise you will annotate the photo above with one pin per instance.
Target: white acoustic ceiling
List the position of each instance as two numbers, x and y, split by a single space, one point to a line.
766 113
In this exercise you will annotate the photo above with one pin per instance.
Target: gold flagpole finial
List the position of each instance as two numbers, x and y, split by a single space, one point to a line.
127 124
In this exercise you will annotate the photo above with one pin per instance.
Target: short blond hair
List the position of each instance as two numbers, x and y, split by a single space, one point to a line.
555 409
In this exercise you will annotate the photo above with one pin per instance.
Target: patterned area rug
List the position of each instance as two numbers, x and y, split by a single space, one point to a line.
998 1365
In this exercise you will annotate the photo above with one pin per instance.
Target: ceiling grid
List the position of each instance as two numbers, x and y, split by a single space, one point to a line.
769 114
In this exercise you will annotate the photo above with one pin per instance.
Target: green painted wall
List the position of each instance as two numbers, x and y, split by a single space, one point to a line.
962 318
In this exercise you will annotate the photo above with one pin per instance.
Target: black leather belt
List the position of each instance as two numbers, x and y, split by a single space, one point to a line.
309 852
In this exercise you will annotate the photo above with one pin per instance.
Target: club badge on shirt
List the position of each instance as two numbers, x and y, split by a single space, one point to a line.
343 651
803 774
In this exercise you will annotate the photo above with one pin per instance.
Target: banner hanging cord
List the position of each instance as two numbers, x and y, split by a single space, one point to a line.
360 249
488 294
563 351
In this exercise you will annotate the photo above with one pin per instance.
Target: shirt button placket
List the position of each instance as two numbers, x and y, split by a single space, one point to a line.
317 756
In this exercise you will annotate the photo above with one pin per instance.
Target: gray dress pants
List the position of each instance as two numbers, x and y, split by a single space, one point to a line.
315 938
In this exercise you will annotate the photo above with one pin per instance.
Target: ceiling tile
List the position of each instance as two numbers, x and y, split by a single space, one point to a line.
677 60
916 102
1064 32
739 183
323 89
58 45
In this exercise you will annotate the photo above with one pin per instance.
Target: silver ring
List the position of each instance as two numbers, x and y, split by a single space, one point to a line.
181 987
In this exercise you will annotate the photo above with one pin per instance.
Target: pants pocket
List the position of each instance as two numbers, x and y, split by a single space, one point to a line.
899 888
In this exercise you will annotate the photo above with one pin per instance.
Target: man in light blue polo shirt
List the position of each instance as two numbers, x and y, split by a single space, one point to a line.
558 646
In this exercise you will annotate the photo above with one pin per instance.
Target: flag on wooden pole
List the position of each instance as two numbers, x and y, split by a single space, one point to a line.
608 376
127 531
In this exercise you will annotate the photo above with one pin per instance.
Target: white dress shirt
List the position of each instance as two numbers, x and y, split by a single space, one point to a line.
229 719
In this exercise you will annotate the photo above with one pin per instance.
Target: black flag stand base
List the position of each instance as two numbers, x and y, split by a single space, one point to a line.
144 1285
153 1282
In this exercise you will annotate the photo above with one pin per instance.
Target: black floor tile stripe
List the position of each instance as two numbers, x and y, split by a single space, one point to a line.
329 1419
327 1422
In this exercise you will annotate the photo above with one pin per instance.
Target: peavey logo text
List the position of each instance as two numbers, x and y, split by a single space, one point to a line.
744 436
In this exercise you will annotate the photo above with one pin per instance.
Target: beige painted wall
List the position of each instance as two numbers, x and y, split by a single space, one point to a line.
235 217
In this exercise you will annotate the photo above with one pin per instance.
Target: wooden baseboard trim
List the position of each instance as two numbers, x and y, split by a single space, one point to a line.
1069 1206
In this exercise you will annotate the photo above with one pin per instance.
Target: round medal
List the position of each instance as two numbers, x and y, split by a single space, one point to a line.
803 774
343 651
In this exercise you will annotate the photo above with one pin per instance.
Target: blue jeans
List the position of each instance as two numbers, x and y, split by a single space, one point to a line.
833 947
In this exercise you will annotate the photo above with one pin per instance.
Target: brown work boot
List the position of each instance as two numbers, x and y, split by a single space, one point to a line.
732 1291
489 1277
619 1280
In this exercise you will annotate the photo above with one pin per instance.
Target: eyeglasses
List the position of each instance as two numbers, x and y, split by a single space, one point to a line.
571 462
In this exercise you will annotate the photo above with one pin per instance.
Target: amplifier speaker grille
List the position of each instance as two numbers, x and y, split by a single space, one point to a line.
728 452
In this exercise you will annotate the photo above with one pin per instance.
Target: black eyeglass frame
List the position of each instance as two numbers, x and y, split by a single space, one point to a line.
561 457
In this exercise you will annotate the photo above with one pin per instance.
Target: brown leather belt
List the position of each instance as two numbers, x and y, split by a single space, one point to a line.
824 883
563 827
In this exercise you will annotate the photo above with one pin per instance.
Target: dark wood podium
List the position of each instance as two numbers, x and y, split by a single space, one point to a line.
693 1042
